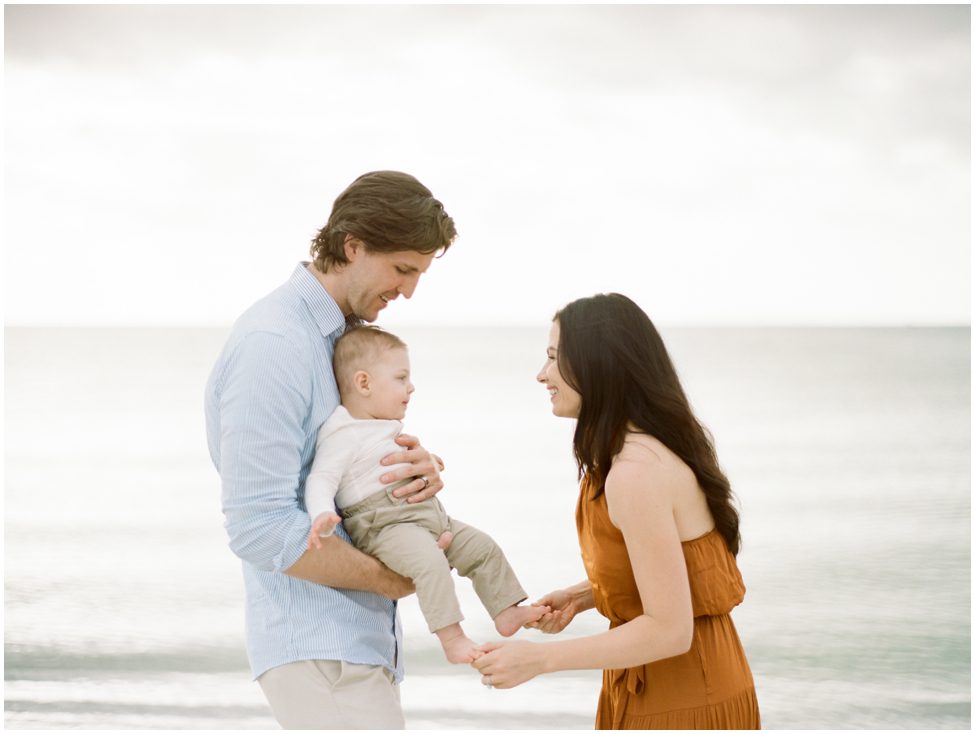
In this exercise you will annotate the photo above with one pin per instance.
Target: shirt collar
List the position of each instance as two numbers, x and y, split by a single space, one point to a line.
321 305
342 417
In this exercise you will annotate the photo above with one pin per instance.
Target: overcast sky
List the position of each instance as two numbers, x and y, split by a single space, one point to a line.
719 164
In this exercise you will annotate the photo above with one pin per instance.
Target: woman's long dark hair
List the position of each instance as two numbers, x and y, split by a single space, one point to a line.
611 354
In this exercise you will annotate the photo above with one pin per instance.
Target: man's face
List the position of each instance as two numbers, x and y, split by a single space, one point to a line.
373 279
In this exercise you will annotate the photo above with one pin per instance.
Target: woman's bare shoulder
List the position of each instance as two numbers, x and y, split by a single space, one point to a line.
651 471
640 483
643 464
649 452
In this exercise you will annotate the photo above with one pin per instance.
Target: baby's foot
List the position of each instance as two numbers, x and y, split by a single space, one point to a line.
460 649
514 617
443 542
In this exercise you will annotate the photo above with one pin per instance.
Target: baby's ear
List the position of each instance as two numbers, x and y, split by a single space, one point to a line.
361 381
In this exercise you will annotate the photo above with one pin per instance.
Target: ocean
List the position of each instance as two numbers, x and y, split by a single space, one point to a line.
848 449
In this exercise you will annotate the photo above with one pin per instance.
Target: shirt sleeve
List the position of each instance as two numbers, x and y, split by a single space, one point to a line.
333 453
266 391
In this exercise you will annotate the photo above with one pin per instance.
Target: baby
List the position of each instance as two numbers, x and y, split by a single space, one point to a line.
416 540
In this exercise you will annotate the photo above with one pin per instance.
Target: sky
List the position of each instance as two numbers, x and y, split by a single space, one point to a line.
721 165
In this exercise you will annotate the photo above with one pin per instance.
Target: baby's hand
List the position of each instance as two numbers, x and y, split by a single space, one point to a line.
322 527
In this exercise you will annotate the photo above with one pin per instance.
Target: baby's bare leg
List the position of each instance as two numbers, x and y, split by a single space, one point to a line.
457 646
513 618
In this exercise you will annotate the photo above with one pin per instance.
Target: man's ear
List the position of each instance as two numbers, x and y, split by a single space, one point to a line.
352 245
361 382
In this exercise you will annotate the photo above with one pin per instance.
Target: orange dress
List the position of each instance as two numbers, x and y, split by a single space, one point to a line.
708 687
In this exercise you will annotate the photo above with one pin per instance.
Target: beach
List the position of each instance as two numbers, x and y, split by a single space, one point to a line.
848 450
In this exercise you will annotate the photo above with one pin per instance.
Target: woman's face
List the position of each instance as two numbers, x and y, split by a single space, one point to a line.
566 402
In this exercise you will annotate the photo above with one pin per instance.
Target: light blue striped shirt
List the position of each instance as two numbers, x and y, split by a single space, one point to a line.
270 390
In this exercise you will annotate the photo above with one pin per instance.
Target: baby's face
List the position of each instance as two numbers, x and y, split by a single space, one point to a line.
390 386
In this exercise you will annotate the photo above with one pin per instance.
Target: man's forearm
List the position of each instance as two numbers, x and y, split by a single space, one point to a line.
343 566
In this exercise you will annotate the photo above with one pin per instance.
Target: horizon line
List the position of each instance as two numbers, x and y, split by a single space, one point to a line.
523 324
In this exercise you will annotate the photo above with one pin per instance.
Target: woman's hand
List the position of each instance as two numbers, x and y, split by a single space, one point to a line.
418 463
564 607
509 664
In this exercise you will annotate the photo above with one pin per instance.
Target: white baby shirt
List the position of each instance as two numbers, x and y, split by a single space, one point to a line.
346 466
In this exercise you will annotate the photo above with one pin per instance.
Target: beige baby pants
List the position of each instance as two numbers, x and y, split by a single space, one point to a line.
404 537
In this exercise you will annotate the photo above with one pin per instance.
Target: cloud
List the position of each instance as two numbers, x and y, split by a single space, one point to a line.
726 162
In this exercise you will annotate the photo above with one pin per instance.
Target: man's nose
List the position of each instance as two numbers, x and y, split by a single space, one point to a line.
408 287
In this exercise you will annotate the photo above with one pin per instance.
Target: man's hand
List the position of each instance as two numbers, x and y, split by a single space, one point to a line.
396 586
341 565
418 463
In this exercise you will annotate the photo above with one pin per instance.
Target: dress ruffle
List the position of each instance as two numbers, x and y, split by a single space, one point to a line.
737 712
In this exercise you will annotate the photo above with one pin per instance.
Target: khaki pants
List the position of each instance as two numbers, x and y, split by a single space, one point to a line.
404 537
332 694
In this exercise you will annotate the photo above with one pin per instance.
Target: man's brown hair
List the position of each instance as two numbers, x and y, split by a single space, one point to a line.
388 211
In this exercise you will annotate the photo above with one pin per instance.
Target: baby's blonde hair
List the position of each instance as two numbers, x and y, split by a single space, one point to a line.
357 349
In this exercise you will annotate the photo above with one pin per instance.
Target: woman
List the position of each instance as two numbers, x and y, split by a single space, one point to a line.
658 535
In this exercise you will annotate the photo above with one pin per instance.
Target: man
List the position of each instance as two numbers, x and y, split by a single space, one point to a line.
323 637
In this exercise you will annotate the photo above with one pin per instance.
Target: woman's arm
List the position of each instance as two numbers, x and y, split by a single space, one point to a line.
638 494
